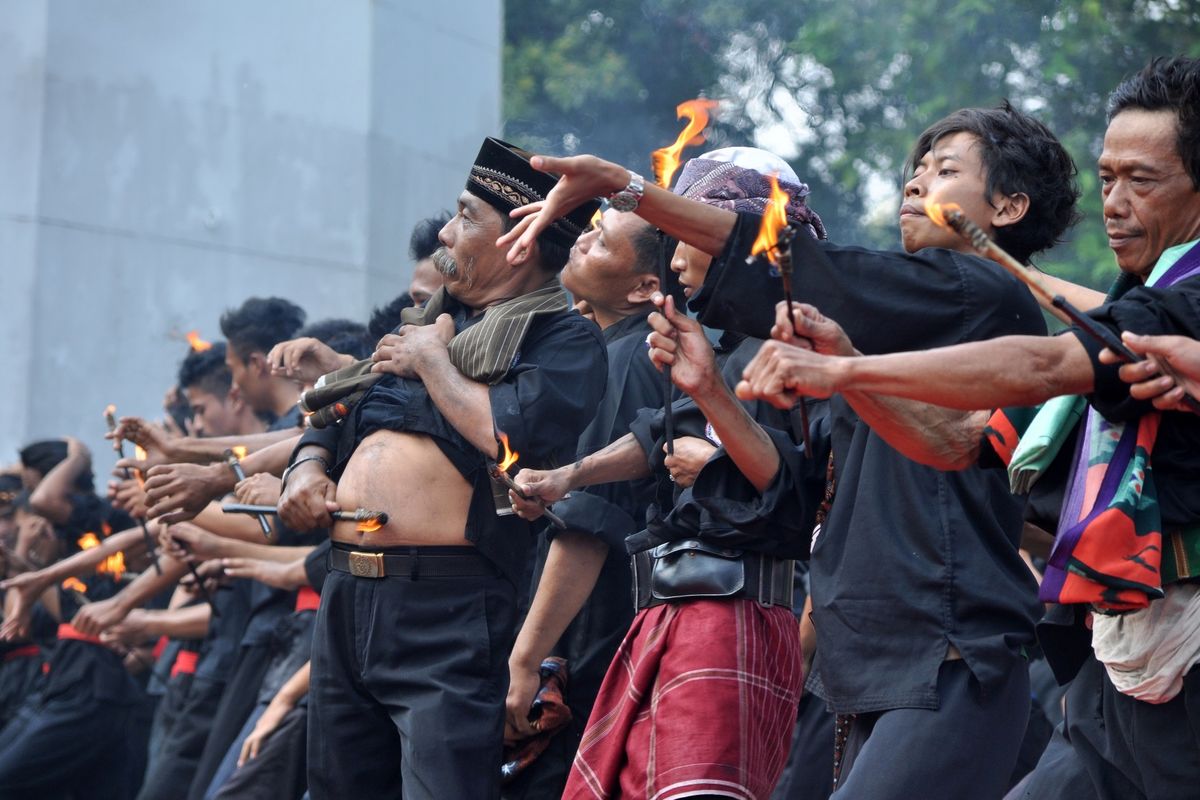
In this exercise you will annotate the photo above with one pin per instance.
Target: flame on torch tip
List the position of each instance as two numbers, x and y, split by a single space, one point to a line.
110 410
773 222
239 451
74 585
198 345
368 526
665 161
595 220
88 541
510 457
937 212
113 565
139 452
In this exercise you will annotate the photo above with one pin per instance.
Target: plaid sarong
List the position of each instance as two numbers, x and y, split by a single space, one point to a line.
1108 551
701 698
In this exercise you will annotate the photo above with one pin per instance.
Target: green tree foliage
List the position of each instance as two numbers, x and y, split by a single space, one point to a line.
840 87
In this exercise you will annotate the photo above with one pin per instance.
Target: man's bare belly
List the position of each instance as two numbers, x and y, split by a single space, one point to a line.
406 475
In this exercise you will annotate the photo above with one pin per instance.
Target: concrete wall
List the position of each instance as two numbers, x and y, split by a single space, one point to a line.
163 161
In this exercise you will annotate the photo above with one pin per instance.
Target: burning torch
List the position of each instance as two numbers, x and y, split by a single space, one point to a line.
500 472
950 215
110 418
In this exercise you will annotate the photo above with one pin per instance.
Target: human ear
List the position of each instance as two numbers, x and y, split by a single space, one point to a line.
643 290
1010 209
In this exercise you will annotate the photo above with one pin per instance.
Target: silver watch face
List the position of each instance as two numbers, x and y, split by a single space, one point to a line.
624 200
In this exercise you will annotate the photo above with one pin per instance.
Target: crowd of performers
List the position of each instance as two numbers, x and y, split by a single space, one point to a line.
888 538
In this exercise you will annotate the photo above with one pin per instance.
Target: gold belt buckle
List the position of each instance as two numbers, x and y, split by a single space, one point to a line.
366 565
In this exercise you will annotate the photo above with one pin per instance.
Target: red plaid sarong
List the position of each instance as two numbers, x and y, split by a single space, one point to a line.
701 698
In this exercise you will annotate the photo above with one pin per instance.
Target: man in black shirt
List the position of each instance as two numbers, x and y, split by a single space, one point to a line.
1135 722
416 620
922 605
581 609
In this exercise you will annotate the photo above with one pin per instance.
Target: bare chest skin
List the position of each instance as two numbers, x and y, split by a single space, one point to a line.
407 476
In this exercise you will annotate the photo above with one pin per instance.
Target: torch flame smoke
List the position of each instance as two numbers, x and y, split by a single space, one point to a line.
198 345
510 457
666 160
773 222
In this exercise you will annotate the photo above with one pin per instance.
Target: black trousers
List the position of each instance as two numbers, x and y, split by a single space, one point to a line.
73 744
408 685
173 766
966 748
1131 749
237 701
808 774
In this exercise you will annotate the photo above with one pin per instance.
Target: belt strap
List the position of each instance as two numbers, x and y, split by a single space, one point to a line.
413 565
769 581
185 663
68 631
24 651
307 599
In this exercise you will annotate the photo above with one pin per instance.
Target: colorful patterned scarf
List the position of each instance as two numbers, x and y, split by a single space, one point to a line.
1108 550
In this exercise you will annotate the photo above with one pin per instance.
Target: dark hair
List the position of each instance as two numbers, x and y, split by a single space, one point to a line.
386 319
424 239
260 324
45 455
343 336
206 370
1021 156
1167 84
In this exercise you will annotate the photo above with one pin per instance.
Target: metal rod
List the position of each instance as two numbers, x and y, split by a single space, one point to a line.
235 464
110 417
357 515
668 412
501 475
785 272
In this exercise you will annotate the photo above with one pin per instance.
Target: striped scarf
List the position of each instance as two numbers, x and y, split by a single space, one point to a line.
484 352
1108 549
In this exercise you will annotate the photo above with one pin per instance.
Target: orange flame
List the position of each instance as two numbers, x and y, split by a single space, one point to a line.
595 220
773 222
368 526
113 565
937 212
665 161
88 541
198 344
140 454
510 457
110 410
106 529
239 451
74 585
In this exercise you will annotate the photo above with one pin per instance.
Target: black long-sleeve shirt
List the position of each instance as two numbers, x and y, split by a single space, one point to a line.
910 560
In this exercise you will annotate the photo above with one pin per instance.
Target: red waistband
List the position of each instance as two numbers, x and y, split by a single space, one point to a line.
307 599
25 651
185 663
159 646
68 631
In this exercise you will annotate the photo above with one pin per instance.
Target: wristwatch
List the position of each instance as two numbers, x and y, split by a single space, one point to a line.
628 198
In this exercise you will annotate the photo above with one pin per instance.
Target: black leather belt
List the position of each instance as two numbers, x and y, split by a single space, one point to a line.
413 565
768 580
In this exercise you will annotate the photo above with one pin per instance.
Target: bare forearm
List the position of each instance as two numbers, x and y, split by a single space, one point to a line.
744 440
274 457
150 583
296 686
229 526
200 451
179 623
943 438
1081 297
51 497
464 403
85 561
572 565
703 226
623 460
1009 371
234 548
